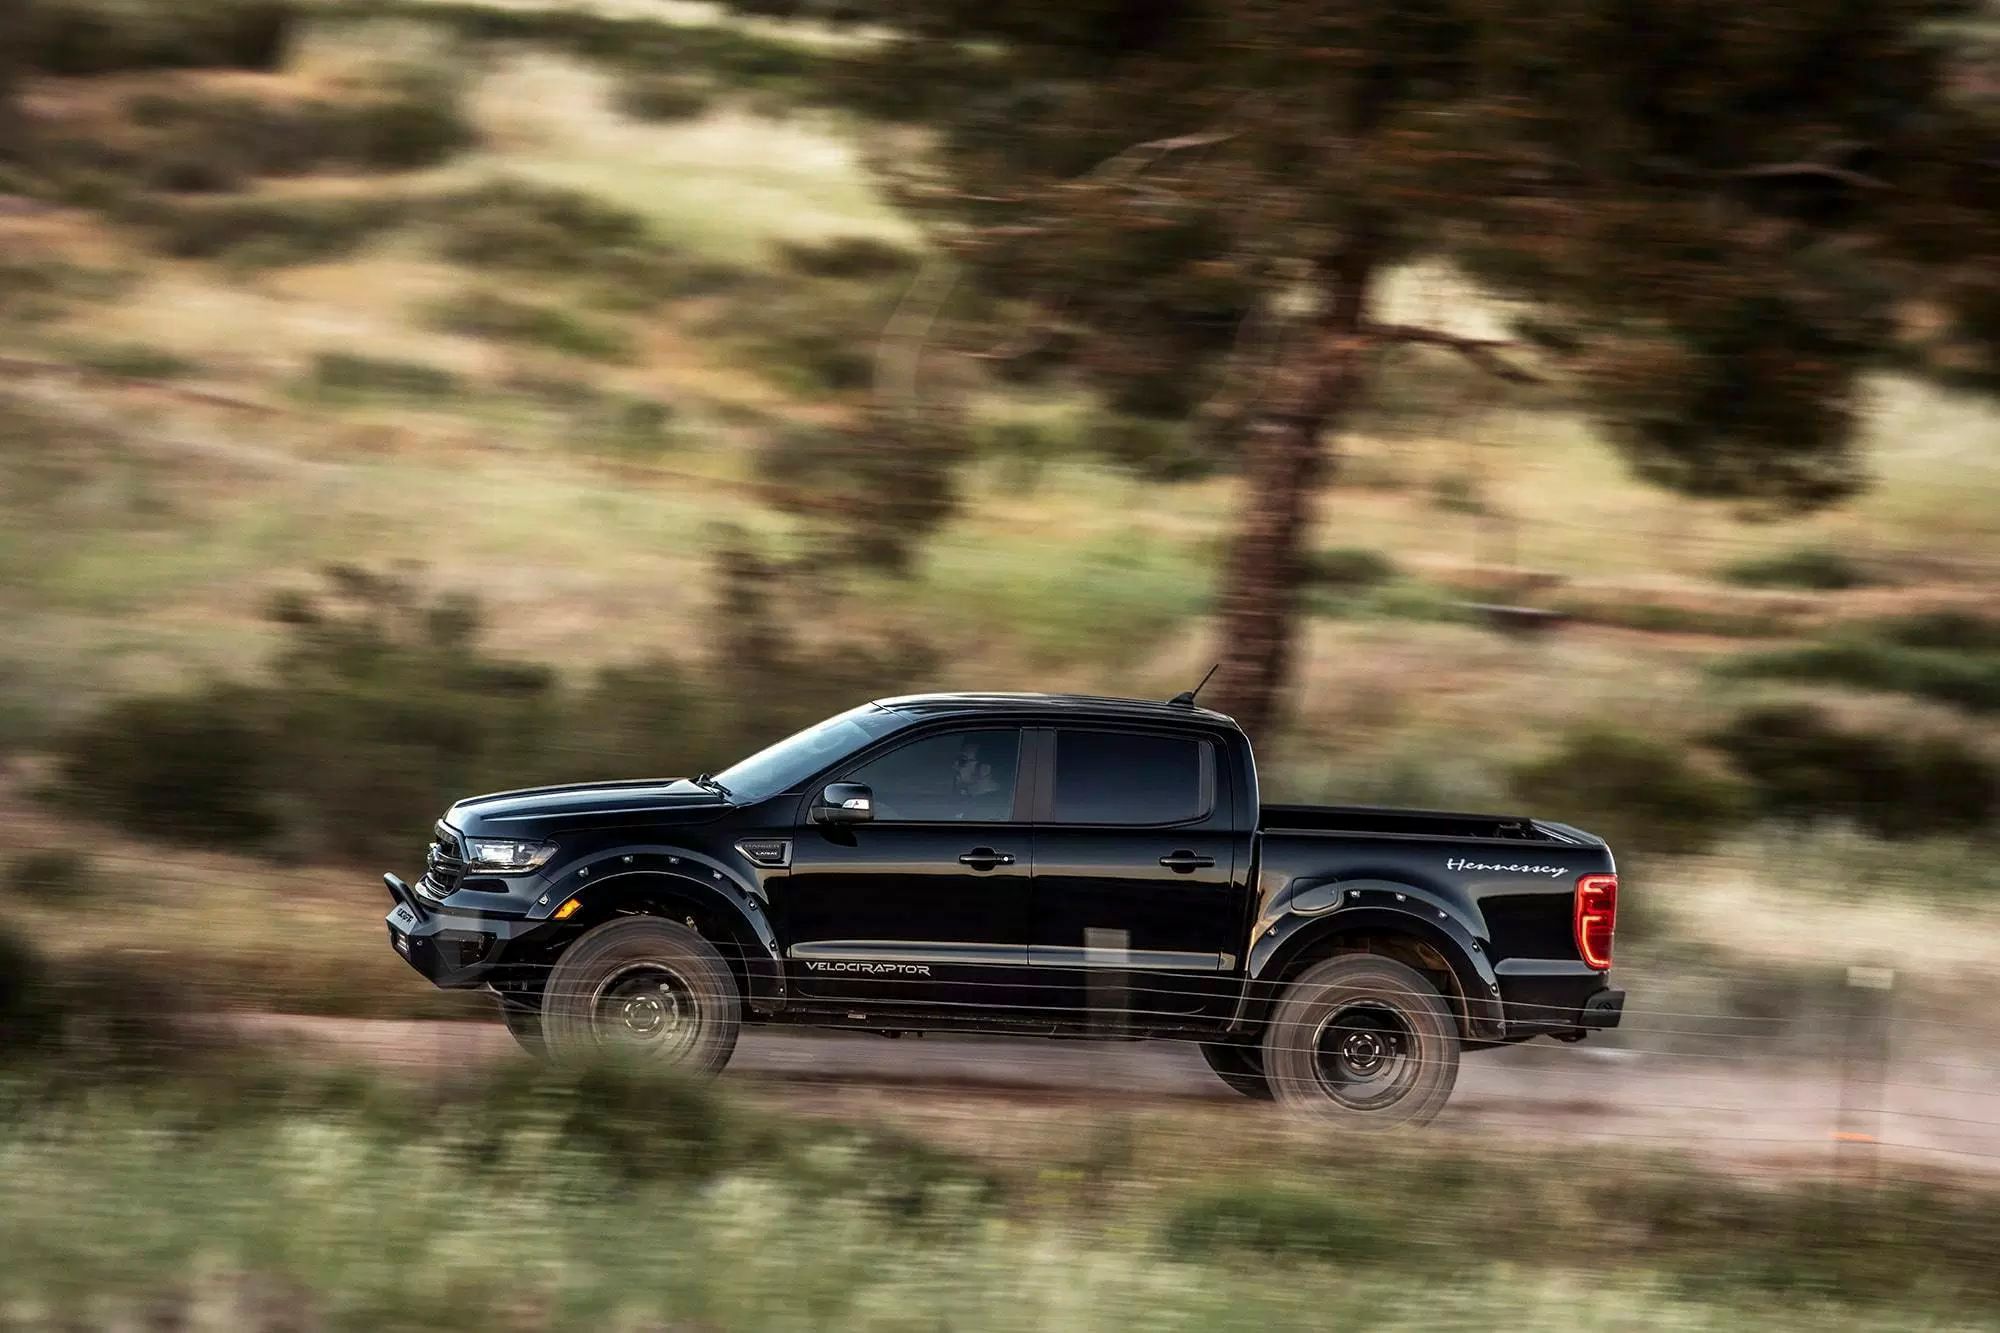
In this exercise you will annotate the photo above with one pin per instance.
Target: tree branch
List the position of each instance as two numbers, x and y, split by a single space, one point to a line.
1481 352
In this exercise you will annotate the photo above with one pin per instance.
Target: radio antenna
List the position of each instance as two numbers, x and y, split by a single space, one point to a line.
1185 699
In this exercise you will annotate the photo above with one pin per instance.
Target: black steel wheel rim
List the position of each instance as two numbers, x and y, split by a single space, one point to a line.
647 1008
1365 1055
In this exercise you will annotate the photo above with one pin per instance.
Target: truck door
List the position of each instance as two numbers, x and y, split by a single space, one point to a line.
1138 903
927 903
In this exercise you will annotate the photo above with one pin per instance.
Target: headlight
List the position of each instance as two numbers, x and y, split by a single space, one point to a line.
508 854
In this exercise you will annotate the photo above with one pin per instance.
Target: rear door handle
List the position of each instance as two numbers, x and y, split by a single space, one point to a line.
1186 862
985 858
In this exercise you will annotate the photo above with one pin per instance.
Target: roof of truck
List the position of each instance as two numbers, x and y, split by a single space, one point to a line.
1083 705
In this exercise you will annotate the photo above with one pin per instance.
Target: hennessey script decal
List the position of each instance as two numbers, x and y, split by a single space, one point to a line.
1460 863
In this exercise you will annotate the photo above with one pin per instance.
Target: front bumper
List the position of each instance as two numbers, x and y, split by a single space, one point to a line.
455 949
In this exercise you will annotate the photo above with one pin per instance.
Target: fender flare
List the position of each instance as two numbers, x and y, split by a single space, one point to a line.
1311 911
602 880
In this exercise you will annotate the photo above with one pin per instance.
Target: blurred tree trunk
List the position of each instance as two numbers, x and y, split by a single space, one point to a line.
13 23
1311 393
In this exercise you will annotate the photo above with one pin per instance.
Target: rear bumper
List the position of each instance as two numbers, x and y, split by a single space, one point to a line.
1550 995
1602 1010
460 949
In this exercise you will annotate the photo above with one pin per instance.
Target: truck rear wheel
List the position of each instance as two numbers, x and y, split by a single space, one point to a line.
1240 1066
654 989
1364 1041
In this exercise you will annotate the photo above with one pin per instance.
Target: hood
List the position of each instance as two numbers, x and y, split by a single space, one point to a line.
534 810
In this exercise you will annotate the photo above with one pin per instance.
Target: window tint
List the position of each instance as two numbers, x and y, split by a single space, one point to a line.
958 775
1105 777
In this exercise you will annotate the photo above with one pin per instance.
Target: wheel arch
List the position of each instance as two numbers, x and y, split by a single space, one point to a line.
1408 928
725 915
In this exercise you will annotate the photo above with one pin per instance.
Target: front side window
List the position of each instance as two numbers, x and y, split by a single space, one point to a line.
799 756
1110 777
959 775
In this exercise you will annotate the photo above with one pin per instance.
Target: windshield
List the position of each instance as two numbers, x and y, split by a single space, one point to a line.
797 757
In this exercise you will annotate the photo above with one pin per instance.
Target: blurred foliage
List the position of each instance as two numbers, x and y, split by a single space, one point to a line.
382 707
658 95
352 372
1816 568
1802 766
53 874
1951 658
771 1216
106 36
263 231
1637 792
486 312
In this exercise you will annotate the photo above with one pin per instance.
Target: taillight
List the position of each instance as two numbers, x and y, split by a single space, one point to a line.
1596 917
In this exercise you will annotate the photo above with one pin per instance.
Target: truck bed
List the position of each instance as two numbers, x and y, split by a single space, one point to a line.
1363 819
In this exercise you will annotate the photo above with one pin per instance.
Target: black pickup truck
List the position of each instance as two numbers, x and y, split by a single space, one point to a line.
1030 864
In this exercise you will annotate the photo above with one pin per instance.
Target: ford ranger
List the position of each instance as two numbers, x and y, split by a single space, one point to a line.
1032 864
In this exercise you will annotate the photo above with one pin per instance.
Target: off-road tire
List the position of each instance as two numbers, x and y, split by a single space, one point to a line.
609 985
524 1024
1396 1021
1240 1065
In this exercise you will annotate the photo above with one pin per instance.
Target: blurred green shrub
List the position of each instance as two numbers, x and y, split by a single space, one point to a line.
505 223
105 36
1156 449
381 707
1815 568
486 313
263 231
1860 659
846 257
195 767
55 874
1348 568
1801 766
1637 792
394 119
646 94
1284 1221
351 372
131 359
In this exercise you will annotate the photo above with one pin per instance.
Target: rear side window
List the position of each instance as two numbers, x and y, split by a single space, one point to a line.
1111 777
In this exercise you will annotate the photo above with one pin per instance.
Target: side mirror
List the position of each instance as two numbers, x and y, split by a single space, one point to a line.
844 803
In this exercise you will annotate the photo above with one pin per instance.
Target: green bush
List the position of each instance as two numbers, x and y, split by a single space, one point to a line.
1635 791
1814 568
1155 449
193 767
270 231
846 257
53 875
131 360
542 229
350 372
1348 568
1801 766
1952 631
485 313
1966 680
652 95
103 36
1285 1222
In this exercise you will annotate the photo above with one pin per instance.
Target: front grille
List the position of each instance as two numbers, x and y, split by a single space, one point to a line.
444 864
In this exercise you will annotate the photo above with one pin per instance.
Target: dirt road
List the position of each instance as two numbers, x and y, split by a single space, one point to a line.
1744 1106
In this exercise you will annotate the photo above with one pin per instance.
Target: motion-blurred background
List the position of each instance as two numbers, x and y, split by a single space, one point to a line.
1577 407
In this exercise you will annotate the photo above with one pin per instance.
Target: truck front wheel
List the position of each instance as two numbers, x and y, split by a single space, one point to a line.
652 988
1362 1040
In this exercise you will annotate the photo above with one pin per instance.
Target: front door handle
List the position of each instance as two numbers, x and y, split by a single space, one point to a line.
985 858
1186 863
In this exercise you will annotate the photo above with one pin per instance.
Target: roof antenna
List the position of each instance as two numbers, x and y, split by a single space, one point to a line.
1185 699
